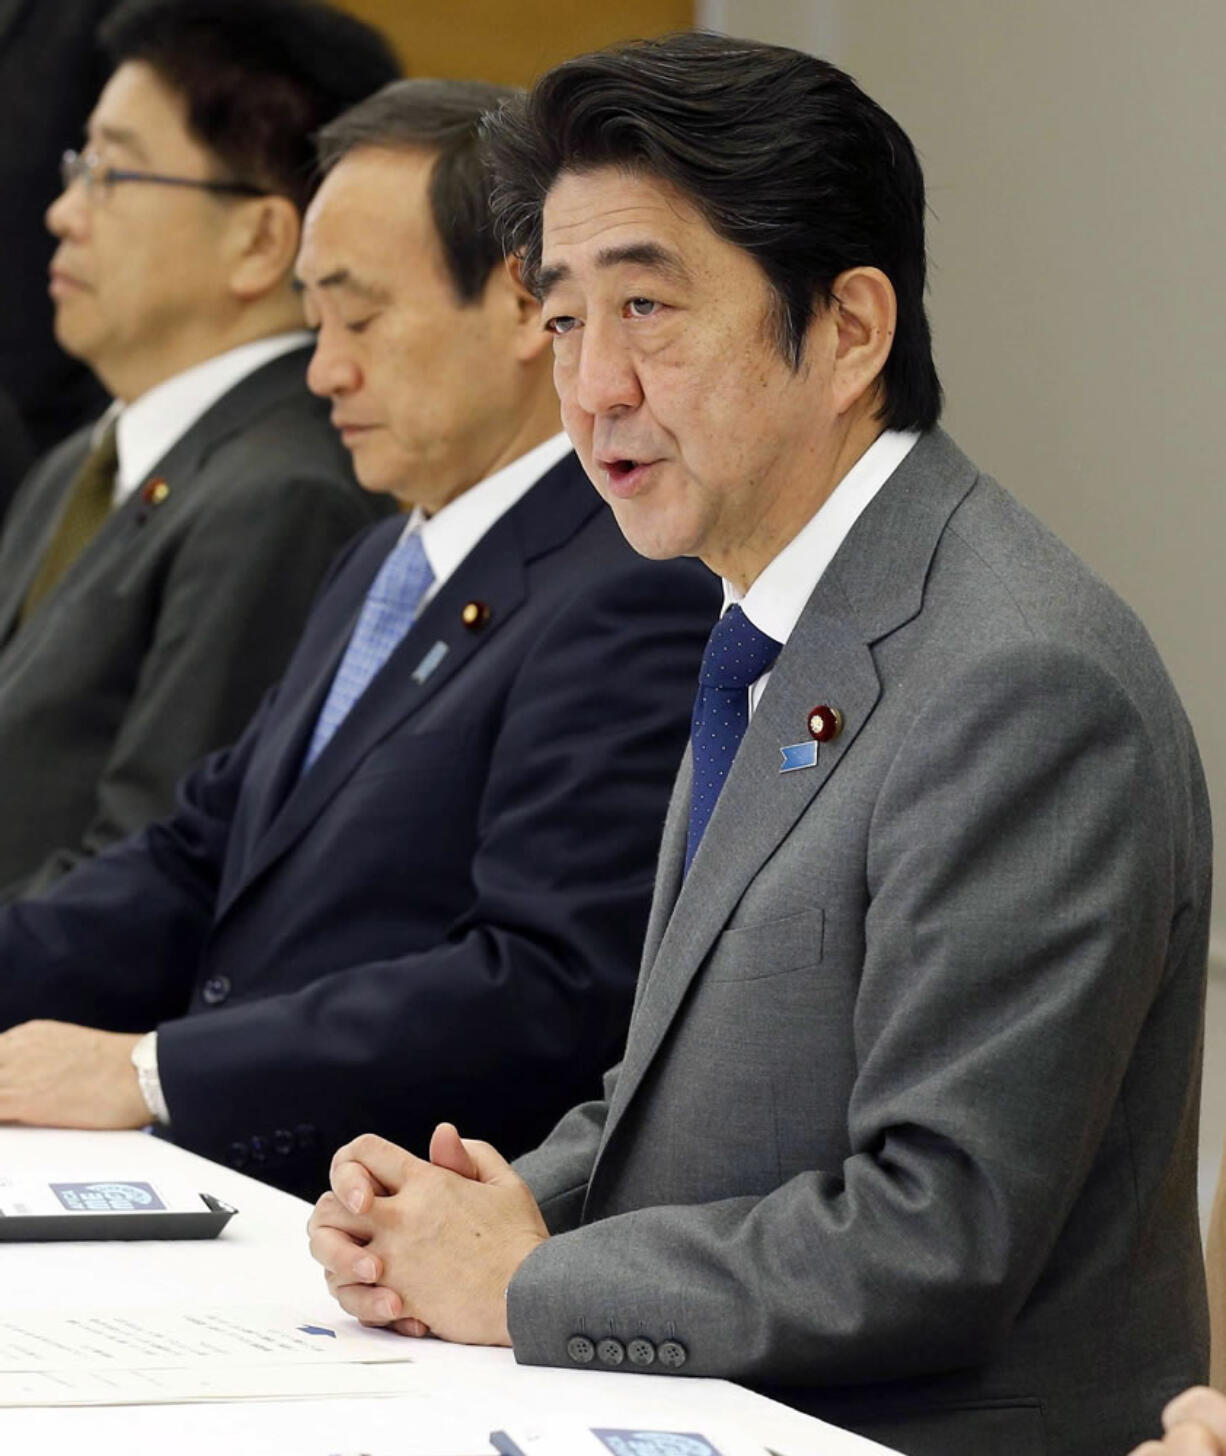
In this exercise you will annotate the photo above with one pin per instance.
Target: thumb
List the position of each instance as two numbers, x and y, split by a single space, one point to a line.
489 1166
449 1150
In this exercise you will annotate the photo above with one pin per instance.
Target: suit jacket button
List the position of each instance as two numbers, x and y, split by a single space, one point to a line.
215 990
580 1349
611 1352
237 1155
283 1142
641 1352
673 1354
259 1149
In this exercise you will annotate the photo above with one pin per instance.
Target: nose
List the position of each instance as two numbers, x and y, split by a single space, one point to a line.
333 371
604 378
68 215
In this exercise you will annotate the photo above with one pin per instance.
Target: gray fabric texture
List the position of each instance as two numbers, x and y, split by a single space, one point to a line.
905 1132
160 640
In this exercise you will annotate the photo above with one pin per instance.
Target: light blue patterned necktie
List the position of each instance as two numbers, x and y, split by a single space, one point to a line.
387 614
736 656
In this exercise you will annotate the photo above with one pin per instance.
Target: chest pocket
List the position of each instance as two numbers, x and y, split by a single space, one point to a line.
768 948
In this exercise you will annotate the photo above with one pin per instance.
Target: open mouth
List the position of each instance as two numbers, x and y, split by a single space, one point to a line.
624 475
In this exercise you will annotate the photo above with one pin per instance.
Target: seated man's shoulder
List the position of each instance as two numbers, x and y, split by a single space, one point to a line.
287 459
1002 578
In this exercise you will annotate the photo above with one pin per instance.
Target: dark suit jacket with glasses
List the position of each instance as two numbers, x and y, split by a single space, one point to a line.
905 1132
159 642
442 917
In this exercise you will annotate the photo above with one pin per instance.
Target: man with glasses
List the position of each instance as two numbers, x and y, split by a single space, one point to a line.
156 568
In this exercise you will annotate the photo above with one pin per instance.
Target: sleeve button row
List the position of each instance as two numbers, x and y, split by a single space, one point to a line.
672 1354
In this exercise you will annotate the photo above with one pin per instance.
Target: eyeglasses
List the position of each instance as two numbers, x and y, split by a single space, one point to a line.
99 178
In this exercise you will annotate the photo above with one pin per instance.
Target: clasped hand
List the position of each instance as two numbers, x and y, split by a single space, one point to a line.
425 1246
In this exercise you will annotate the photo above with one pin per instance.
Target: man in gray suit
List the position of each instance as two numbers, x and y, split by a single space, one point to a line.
904 1133
156 568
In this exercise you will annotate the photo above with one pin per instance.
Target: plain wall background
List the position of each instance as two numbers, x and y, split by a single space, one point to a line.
1075 155
512 44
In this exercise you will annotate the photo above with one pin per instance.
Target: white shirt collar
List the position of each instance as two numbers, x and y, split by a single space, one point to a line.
150 425
451 533
778 596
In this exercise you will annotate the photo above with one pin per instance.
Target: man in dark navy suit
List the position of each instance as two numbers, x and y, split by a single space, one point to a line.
420 879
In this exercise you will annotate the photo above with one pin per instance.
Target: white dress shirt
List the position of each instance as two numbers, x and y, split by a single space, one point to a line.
150 425
778 596
451 533
447 537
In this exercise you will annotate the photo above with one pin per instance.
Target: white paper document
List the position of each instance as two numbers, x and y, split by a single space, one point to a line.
206 1383
162 1339
121 1356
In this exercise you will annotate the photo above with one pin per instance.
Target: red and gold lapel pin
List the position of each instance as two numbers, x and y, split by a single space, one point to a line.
825 723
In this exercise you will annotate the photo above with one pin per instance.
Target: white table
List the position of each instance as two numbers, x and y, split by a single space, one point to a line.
262 1258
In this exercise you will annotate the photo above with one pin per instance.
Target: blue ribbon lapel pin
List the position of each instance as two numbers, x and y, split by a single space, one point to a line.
798 755
428 663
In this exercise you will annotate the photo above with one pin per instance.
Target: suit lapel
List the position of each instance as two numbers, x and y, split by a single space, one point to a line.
436 650
494 570
873 586
179 468
30 535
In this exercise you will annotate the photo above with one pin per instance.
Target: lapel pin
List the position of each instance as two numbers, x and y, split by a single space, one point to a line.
155 491
825 723
798 755
428 663
475 615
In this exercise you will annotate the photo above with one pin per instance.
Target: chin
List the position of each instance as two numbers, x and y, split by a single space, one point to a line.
648 539
74 341
655 538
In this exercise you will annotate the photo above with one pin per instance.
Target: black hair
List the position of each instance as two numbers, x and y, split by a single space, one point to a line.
781 152
442 117
259 77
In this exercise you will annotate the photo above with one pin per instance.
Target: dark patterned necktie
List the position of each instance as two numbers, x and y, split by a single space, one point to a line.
86 506
737 655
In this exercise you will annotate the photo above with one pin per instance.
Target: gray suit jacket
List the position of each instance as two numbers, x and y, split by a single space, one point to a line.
905 1129
161 639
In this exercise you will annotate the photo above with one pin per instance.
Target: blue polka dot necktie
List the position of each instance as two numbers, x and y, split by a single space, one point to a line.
387 614
737 655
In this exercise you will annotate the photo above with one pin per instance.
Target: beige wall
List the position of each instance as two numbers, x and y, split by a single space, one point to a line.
1075 152
511 43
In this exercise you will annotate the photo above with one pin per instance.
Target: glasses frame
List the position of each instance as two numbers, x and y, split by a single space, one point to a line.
98 178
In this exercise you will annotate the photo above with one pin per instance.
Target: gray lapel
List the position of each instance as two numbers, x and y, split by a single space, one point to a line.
874 585
669 865
32 522
181 468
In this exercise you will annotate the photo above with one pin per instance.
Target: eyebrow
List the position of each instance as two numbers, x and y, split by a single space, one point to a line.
343 278
643 255
122 136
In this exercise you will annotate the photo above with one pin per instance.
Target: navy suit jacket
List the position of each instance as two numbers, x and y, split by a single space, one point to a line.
443 917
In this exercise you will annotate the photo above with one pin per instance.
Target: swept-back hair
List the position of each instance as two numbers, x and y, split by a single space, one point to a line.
782 153
259 77
442 117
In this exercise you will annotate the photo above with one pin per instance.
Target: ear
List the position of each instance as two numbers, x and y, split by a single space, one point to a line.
262 244
531 340
863 316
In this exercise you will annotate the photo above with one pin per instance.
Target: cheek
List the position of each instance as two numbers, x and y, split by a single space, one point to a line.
578 425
